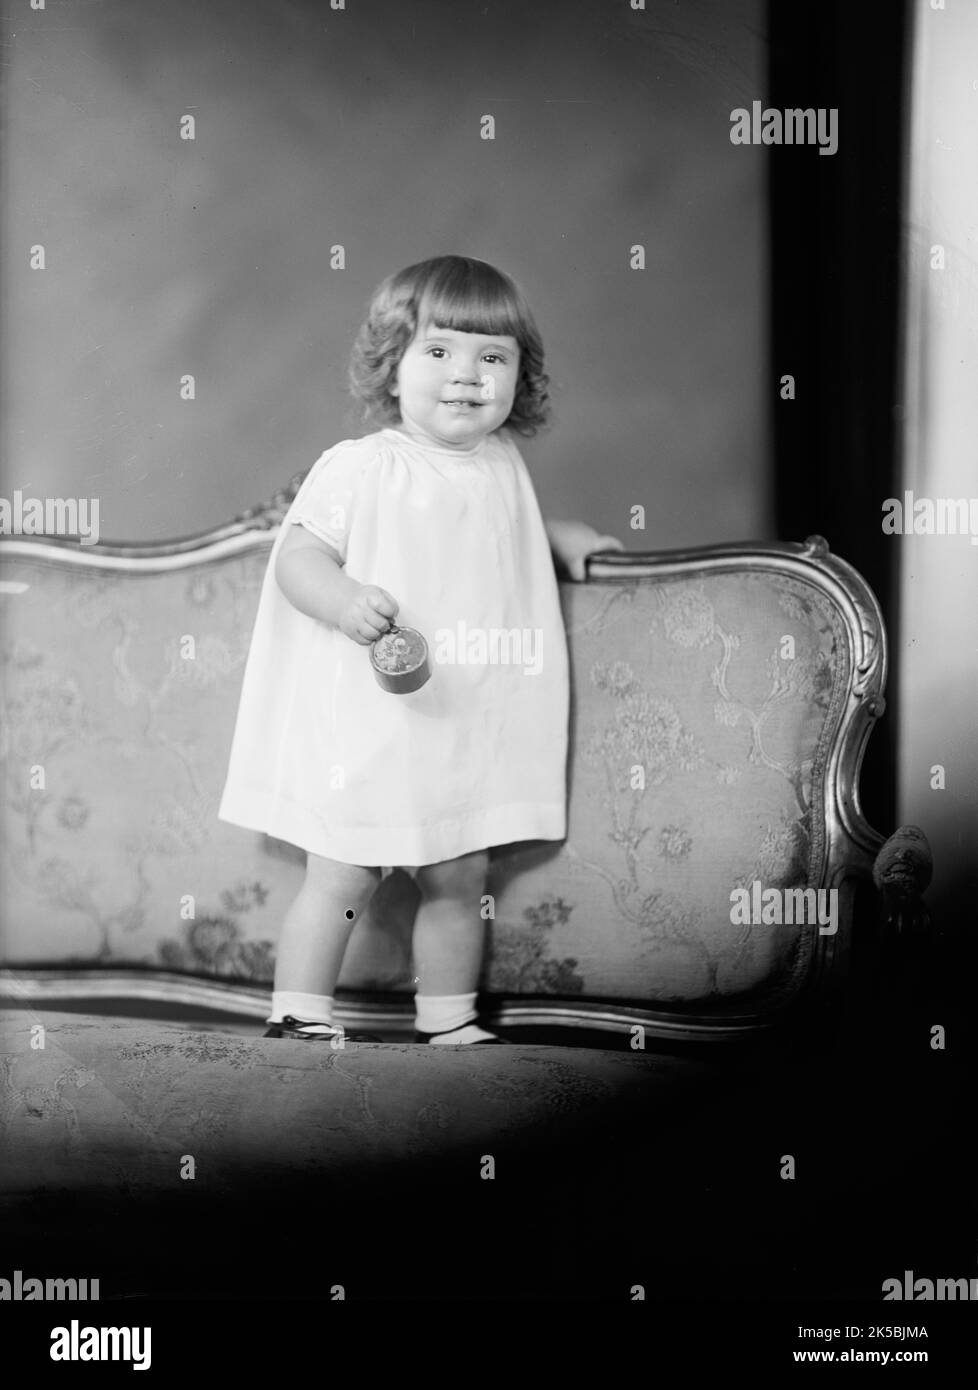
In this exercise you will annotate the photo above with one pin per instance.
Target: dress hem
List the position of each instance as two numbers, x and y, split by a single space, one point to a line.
388 848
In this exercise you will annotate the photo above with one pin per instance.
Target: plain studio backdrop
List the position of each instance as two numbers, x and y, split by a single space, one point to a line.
361 128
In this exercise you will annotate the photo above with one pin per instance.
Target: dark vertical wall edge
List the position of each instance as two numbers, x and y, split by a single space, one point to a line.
835 304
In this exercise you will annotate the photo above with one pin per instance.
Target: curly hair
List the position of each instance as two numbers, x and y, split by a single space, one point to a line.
455 292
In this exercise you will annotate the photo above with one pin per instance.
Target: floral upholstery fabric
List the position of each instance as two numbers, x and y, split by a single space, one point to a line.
699 741
698 757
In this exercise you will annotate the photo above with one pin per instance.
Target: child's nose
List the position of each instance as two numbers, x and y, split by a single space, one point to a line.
464 369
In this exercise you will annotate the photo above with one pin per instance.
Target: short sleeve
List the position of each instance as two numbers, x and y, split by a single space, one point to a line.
327 500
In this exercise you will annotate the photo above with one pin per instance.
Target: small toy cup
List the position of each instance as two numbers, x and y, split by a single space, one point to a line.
400 660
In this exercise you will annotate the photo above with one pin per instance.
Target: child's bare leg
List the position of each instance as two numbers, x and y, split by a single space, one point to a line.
449 943
317 926
449 931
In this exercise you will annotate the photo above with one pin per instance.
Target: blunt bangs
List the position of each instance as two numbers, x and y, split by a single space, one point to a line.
472 297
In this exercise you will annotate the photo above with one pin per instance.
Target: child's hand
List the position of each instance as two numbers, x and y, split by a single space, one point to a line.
368 615
573 541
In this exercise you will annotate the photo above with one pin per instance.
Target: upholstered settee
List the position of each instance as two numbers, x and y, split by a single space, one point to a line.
721 702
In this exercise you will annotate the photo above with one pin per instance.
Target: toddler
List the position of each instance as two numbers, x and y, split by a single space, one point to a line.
432 520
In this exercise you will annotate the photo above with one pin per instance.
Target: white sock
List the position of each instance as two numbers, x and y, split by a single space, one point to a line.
468 1033
451 1016
434 1013
308 1008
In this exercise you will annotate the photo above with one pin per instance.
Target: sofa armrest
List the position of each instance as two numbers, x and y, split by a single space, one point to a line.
902 871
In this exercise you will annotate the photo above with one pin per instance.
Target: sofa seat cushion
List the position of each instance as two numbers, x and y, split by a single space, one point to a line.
115 1106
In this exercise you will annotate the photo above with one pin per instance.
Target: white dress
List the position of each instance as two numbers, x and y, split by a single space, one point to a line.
325 759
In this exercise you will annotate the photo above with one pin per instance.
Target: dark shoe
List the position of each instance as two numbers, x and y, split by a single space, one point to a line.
317 1032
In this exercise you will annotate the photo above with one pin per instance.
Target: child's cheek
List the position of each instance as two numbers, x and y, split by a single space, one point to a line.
504 387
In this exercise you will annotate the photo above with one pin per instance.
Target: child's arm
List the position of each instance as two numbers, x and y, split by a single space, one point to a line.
309 572
572 542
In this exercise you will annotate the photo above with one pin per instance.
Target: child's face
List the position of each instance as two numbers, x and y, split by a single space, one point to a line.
454 388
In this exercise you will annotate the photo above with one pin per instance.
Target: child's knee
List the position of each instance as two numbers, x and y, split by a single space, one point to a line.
454 878
355 883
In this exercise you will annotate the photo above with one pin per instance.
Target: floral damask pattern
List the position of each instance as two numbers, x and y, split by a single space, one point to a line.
645 729
73 812
687 616
114 697
519 963
699 729
675 842
214 944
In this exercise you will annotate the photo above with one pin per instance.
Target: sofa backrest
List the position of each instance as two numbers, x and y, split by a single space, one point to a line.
721 699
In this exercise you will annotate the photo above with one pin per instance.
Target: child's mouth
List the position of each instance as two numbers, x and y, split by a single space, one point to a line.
462 405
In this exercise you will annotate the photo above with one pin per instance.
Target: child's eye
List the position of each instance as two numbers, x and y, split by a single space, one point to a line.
436 349
495 356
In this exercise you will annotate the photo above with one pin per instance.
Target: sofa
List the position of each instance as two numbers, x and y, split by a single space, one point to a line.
665 1030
